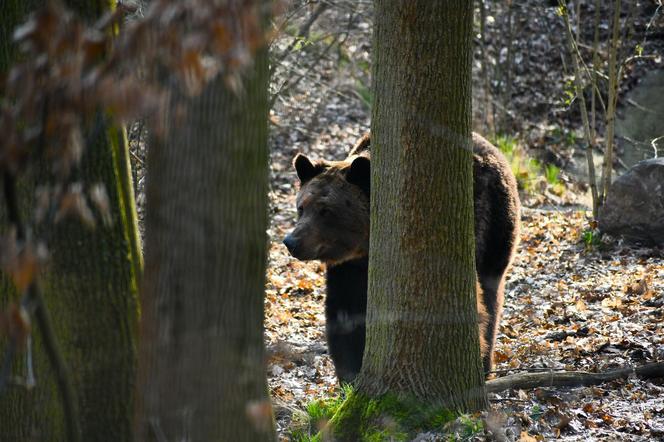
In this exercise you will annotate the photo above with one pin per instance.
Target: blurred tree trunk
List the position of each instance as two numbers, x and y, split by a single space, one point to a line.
422 333
90 290
12 13
202 372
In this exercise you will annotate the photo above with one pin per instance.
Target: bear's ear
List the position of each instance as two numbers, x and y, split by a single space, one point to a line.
359 173
305 169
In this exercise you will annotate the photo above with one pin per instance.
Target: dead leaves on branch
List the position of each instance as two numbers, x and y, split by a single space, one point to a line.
70 71
21 260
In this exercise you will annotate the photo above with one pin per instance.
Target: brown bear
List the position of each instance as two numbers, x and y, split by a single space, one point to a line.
333 226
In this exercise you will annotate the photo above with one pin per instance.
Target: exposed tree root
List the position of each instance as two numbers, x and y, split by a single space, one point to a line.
524 381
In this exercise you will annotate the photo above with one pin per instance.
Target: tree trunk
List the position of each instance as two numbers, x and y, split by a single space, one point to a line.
422 333
12 13
202 374
90 290
422 338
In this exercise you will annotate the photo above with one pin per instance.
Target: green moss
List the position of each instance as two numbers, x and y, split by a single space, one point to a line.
353 416
307 425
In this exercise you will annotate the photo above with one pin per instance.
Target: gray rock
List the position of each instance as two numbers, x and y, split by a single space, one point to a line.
634 207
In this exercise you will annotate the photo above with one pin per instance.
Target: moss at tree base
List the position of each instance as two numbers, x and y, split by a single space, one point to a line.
389 417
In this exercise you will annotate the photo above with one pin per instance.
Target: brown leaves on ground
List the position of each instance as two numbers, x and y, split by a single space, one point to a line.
572 308
567 307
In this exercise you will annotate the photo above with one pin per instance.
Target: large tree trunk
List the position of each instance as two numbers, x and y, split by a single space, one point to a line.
422 322
422 333
90 290
422 340
201 363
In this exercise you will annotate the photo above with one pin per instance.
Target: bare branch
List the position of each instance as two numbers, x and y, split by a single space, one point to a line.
303 32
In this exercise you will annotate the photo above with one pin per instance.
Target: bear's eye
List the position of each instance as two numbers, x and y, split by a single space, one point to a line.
299 211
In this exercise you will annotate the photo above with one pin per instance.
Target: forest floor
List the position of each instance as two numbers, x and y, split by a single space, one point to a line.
569 305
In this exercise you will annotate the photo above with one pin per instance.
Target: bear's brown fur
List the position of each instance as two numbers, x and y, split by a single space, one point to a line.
333 226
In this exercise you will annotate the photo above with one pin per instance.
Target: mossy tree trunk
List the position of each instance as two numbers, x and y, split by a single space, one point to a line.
90 290
202 372
422 335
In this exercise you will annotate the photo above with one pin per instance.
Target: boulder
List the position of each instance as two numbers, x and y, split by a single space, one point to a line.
634 206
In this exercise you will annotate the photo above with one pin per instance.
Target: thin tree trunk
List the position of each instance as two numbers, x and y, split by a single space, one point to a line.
507 91
488 108
607 166
579 89
593 74
422 334
202 362
90 290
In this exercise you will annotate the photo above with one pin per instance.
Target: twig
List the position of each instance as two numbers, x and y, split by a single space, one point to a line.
335 41
524 381
303 32
30 381
653 143
286 85
58 364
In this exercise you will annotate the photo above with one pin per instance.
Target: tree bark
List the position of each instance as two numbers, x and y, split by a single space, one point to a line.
90 290
12 13
202 374
422 332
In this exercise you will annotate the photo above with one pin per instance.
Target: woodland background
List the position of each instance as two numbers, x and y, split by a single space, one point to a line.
576 299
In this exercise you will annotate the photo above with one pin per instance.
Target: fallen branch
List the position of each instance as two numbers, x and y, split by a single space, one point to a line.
524 381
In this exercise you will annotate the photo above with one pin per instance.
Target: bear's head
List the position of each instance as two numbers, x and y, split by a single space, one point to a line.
333 210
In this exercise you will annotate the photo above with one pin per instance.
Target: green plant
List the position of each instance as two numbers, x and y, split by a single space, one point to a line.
463 428
560 135
529 172
307 424
301 42
525 169
536 412
364 92
591 239
552 174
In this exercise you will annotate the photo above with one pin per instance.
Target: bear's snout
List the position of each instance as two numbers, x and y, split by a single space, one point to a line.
290 244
